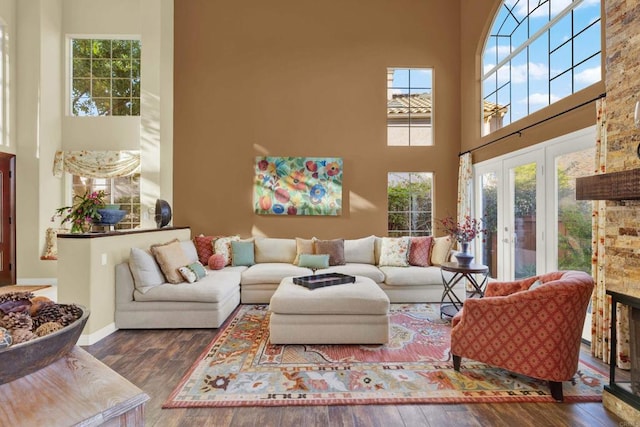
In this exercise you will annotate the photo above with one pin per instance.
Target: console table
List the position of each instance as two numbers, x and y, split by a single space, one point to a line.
75 390
469 272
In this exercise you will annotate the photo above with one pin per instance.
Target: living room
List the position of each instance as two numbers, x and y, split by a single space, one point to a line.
224 83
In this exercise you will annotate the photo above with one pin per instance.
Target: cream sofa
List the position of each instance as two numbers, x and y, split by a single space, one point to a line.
209 301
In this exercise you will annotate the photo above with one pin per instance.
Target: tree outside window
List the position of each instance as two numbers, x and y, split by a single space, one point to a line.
409 197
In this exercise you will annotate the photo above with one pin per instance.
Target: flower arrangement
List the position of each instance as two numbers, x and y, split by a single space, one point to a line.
464 231
83 212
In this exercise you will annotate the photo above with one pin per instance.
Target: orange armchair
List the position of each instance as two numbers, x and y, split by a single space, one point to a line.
534 332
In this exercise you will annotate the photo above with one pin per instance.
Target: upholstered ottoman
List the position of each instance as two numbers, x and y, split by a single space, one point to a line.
353 313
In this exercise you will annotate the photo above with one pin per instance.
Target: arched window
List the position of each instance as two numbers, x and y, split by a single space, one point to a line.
538 52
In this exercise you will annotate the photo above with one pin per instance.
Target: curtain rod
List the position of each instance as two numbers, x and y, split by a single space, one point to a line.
519 132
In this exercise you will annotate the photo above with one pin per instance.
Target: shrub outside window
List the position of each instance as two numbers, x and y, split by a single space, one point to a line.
409 197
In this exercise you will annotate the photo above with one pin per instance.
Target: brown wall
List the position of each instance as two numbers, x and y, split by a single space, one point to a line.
306 78
475 22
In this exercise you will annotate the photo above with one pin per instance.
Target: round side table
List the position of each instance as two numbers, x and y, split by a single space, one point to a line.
454 304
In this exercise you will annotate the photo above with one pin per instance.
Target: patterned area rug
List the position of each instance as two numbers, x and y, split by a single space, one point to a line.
241 368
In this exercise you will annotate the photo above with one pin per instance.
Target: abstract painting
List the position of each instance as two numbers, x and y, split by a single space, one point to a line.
297 186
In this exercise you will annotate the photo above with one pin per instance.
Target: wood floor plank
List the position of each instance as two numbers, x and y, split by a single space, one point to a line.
156 360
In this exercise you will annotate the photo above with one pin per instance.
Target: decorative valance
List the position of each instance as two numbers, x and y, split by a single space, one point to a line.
96 164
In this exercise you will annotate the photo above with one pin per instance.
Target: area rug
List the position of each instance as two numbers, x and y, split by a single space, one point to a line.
22 288
241 368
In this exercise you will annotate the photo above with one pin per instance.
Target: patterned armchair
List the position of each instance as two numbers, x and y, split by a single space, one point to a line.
534 332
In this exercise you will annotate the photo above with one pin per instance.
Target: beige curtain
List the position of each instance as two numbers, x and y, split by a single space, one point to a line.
601 303
96 164
465 174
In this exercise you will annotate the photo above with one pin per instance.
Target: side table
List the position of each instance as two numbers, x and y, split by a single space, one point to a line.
454 304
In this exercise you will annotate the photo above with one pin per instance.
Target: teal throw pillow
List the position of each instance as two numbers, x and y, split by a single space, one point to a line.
242 253
314 261
193 272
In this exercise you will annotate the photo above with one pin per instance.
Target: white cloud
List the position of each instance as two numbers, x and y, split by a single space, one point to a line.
540 99
589 76
536 71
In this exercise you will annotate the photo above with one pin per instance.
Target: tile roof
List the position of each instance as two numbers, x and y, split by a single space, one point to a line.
400 105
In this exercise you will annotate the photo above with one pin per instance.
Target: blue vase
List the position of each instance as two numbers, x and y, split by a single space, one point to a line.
464 257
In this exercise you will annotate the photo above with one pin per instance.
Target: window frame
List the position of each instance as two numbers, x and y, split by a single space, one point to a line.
68 100
411 212
405 120
492 110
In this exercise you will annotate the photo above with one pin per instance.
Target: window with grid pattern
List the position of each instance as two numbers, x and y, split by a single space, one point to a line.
409 198
105 77
409 107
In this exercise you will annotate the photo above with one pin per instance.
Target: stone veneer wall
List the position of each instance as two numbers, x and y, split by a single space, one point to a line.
622 272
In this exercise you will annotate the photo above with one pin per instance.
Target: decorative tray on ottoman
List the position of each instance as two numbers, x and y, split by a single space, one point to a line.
321 280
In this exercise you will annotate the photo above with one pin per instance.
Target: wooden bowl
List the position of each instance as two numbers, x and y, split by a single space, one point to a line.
25 358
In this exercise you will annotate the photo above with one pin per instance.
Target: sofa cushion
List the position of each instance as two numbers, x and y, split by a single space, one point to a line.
409 276
242 253
441 250
313 260
335 249
269 249
193 272
360 250
395 251
271 272
170 257
356 269
190 251
303 246
213 288
145 270
222 246
420 251
204 247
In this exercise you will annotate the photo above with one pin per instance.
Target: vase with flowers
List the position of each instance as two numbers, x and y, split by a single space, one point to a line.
83 212
464 232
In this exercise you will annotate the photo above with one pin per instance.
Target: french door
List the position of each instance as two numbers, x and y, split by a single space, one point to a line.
527 202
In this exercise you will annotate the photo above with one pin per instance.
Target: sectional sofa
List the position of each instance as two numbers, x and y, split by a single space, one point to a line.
151 294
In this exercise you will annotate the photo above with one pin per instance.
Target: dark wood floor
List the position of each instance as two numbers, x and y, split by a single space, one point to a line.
155 360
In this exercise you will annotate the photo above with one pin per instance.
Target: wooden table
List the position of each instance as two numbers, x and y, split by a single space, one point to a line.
469 272
77 390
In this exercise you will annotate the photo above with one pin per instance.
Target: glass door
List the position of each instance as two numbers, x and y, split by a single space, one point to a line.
521 236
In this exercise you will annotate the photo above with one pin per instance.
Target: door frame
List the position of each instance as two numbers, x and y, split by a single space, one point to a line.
10 211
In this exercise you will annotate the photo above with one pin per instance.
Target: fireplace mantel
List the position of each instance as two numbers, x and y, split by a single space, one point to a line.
624 185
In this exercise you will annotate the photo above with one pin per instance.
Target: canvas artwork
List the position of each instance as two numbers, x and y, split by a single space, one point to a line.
298 186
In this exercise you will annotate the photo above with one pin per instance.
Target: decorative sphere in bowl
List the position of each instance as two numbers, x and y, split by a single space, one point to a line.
111 216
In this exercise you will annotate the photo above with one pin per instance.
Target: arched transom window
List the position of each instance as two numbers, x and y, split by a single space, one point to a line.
538 52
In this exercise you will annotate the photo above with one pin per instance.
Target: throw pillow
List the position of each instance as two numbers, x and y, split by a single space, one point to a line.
270 249
242 253
204 247
303 246
394 251
420 251
441 250
314 261
193 272
216 262
360 250
222 246
145 270
334 248
170 257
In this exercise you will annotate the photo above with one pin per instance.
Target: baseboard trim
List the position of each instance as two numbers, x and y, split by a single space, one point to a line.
89 339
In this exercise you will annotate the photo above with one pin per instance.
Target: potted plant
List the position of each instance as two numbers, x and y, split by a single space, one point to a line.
464 232
84 211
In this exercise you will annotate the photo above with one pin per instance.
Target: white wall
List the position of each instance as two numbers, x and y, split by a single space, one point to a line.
40 30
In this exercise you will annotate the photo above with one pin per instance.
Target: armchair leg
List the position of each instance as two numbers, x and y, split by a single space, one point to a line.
456 362
556 390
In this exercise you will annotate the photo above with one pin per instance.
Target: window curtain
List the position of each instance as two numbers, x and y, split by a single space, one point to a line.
96 164
600 301
465 174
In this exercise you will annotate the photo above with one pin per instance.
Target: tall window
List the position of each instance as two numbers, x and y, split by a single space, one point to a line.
105 77
537 53
409 196
409 106
124 191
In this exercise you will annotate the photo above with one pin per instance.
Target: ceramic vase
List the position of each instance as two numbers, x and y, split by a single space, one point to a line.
464 257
